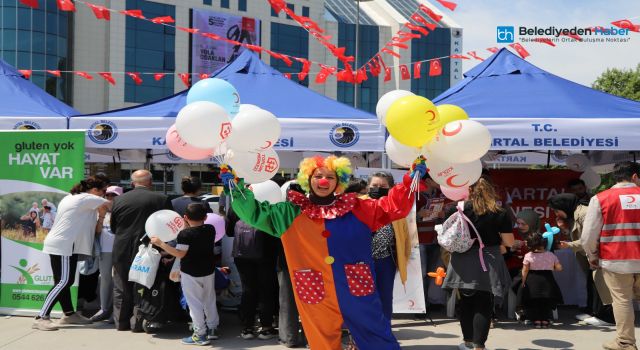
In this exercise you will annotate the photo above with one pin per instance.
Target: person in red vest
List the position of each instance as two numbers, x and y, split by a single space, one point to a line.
611 239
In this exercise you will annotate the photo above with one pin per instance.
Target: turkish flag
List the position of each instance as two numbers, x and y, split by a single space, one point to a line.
188 30
416 17
204 76
391 52
163 20
306 66
520 50
26 73
627 24
277 5
135 77
387 74
133 13
493 49
100 12
417 28
404 72
287 75
55 73
430 13
435 68
545 41
84 75
159 76
374 68
321 78
448 4
30 3
460 57
417 67
397 44
108 77
409 35
473 54
185 79
361 75
66 5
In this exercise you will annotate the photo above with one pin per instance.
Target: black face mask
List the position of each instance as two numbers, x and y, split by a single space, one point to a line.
377 192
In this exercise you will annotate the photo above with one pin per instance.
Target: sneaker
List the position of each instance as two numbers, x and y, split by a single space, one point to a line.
465 346
267 333
196 340
247 333
44 324
582 317
74 318
614 345
594 321
212 334
100 316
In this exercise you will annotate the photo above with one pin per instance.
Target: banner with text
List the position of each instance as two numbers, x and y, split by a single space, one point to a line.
37 169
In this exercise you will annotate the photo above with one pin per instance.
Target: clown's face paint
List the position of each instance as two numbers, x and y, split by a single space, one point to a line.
323 182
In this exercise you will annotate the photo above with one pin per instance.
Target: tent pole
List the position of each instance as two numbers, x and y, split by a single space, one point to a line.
548 159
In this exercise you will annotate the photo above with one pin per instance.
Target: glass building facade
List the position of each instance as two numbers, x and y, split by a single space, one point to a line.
149 48
38 39
436 44
290 40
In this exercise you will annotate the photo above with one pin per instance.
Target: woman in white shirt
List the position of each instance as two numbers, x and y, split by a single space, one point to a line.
72 235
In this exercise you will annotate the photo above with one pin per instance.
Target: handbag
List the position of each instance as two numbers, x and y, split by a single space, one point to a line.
144 268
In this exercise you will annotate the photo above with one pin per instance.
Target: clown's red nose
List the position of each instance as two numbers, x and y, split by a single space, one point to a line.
323 182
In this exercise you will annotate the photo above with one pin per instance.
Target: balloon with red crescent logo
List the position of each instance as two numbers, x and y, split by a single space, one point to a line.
452 185
453 132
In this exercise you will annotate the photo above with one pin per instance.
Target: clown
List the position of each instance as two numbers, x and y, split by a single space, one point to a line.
327 241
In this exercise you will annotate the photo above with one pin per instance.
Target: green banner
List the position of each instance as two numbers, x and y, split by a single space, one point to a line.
37 168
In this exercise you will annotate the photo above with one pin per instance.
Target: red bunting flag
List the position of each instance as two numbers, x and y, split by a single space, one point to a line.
435 68
287 75
108 77
135 77
84 75
26 73
277 5
188 30
306 66
387 74
520 50
55 73
430 13
473 54
185 77
544 41
396 44
163 20
493 49
417 67
321 78
390 52
66 5
460 57
374 68
211 36
204 76
159 76
100 12
404 72
416 17
448 4
361 75
30 3
133 13
409 35
627 24
417 28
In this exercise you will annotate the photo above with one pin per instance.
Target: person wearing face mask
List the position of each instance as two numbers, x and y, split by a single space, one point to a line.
391 246
327 243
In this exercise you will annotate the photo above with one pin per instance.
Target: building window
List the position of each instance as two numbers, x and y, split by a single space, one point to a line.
37 39
289 40
305 11
242 5
273 13
207 2
149 48
224 4
291 7
436 44
367 90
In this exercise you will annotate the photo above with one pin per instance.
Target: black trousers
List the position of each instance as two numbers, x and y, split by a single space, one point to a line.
259 280
125 313
476 308
64 273
541 309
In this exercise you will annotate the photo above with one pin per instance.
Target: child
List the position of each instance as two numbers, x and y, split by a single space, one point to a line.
47 219
541 292
195 249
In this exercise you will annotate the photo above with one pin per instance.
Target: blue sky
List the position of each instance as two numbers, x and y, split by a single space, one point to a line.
579 62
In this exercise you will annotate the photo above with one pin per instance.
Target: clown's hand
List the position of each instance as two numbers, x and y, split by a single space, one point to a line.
420 170
228 177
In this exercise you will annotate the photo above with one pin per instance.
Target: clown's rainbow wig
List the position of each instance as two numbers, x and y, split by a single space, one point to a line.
341 165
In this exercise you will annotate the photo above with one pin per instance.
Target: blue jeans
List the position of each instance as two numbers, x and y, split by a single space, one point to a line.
385 275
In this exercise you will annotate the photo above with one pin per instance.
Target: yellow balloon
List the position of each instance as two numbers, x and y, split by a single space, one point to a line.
449 113
413 120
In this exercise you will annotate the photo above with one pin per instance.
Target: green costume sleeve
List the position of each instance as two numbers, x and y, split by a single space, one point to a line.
273 219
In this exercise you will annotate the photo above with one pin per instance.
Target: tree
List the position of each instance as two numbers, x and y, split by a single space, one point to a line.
620 82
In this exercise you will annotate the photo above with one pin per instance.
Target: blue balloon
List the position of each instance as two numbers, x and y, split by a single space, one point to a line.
549 235
217 91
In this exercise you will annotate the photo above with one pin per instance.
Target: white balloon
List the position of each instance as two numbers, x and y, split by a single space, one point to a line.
248 107
254 167
590 178
577 162
461 141
454 175
267 191
203 124
255 129
401 154
164 224
386 101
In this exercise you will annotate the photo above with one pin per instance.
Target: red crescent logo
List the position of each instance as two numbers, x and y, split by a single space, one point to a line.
452 185
269 143
433 115
453 132
632 199
237 97
412 303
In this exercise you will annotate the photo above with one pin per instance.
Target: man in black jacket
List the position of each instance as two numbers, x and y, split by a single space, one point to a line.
129 214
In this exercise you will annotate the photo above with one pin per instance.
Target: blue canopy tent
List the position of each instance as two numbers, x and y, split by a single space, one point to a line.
26 106
527 108
310 121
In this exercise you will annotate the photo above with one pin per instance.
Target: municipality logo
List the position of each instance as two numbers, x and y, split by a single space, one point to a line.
26 125
505 34
344 135
25 272
102 132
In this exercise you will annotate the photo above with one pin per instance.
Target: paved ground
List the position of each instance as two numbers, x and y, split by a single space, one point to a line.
16 333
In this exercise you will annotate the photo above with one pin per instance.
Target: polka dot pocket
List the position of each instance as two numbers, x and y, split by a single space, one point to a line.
360 279
309 286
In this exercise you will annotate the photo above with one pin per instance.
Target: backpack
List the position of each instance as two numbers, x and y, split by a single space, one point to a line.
454 235
247 242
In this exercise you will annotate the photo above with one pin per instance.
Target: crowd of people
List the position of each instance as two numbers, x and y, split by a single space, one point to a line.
324 262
